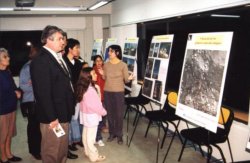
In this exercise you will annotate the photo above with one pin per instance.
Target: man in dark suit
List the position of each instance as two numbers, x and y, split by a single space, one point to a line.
53 93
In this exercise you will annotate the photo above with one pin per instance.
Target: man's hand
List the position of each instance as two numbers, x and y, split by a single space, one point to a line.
53 124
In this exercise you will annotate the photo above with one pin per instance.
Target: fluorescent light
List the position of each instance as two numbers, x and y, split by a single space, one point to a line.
98 4
6 9
44 9
54 9
225 16
21 9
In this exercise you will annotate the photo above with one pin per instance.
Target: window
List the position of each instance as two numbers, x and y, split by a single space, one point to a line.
16 43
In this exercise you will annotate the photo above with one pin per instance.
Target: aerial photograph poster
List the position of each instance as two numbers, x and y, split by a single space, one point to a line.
203 77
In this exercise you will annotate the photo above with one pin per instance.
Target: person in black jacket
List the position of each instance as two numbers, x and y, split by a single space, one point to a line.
53 93
71 51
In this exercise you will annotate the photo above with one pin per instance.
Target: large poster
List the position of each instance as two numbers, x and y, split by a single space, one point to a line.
157 68
203 77
110 41
97 48
129 56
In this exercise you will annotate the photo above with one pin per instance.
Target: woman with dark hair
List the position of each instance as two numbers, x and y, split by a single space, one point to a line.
91 111
115 74
98 64
8 105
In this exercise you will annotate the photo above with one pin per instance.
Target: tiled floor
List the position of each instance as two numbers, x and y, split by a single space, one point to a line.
141 150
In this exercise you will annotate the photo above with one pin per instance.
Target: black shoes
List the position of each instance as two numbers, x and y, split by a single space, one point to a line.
4 161
37 156
14 159
72 147
111 138
71 155
78 143
119 140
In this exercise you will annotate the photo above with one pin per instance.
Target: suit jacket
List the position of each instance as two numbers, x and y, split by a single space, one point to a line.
52 90
74 68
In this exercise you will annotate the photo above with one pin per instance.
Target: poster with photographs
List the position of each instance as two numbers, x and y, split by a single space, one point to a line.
157 68
110 41
203 77
129 57
97 48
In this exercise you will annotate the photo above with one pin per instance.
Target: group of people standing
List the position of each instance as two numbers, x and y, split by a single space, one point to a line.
56 82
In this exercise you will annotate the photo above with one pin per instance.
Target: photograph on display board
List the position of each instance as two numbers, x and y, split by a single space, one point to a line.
130 49
97 48
164 50
157 90
151 50
106 54
203 78
156 69
156 49
94 52
149 67
201 81
147 87
130 62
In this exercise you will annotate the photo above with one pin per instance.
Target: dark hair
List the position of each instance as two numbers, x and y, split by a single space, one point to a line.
97 56
84 80
65 35
117 49
71 43
48 31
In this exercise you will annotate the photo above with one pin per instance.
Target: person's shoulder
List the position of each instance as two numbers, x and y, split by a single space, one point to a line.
122 63
78 62
27 64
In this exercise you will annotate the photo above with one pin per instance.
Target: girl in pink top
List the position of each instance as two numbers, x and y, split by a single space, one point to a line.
91 111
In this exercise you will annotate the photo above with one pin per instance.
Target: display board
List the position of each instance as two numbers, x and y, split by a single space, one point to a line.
129 57
203 77
157 68
97 48
110 41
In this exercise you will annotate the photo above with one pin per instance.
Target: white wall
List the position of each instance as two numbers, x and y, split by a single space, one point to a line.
85 29
133 11
38 23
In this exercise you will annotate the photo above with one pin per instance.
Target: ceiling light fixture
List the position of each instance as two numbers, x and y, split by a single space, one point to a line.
6 9
225 16
99 4
54 9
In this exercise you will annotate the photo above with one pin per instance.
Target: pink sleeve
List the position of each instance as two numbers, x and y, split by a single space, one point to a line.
93 102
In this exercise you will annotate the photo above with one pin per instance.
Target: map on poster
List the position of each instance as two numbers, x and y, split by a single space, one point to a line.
203 77
97 48
157 68
110 41
129 57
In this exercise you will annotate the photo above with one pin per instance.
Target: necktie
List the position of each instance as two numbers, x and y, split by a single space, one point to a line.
63 66
65 70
